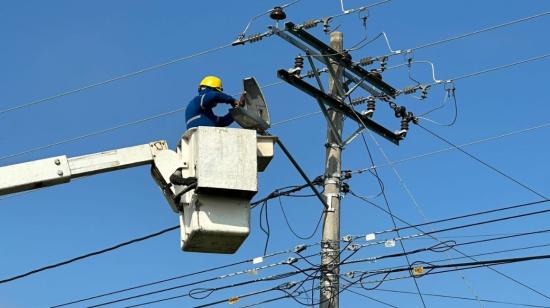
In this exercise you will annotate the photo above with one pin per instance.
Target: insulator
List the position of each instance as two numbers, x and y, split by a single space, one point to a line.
277 13
347 175
358 101
371 104
366 61
255 37
410 90
299 62
424 94
400 111
405 124
308 24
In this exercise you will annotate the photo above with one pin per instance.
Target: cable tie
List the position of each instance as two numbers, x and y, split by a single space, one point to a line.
370 237
257 260
389 243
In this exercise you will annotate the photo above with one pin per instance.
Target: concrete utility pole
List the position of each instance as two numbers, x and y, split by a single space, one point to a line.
330 285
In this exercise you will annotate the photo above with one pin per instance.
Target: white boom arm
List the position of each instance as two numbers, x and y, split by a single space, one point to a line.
60 169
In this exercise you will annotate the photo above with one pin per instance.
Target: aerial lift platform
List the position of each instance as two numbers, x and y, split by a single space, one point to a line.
208 180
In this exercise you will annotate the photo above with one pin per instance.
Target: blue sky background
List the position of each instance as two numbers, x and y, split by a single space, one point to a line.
53 46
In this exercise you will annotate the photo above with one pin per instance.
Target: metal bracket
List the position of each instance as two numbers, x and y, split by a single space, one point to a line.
354 135
339 106
331 126
329 201
367 87
340 58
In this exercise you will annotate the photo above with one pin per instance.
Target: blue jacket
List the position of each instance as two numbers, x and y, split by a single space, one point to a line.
199 110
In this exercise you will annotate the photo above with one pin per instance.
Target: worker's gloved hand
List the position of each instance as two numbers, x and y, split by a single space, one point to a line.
242 99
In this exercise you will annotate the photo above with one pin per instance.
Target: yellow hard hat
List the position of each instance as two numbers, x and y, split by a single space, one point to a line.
211 82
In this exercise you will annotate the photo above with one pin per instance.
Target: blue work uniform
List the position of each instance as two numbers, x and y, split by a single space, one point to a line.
199 110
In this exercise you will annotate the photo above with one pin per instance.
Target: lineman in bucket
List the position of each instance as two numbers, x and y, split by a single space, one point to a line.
199 110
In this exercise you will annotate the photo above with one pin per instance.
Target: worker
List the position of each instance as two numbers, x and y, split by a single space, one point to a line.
199 110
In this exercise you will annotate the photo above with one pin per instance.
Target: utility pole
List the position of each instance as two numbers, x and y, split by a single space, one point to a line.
330 245
339 65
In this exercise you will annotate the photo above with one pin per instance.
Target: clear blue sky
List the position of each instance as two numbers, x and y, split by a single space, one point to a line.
53 46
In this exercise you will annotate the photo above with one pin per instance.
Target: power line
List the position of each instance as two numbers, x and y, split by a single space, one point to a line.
483 162
499 67
463 298
120 77
95 253
442 247
475 255
98 252
454 38
466 255
131 123
466 265
209 291
148 284
409 226
91 134
458 37
307 237
512 133
494 252
413 199
380 182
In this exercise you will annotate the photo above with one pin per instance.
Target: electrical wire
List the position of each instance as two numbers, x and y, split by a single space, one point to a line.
414 200
108 81
483 162
468 256
478 141
88 255
270 196
194 293
448 93
148 284
91 254
409 226
492 69
466 265
267 229
465 35
372 298
292 229
442 247
387 204
390 211
492 301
